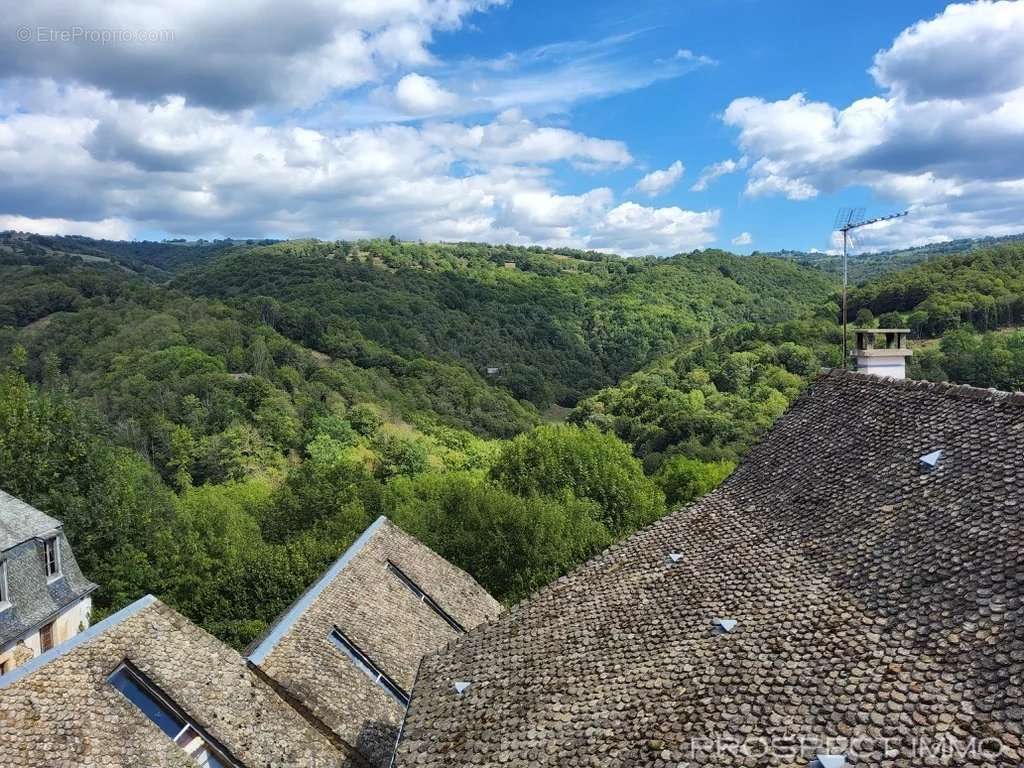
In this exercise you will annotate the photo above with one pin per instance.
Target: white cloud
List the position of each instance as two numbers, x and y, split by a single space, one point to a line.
657 182
231 54
127 167
685 54
946 139
109 229
715 170
743 238
419 95
635 229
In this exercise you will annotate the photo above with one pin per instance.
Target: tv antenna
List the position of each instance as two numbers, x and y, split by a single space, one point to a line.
847 220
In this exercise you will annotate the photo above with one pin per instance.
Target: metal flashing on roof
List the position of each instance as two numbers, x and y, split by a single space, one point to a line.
930 460
831 761
727 625
675 557
300 606
461 686
82 637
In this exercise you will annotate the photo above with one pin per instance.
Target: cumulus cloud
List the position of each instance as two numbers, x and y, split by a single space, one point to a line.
228 55
743 238
946 137
127 166
109 229
657 182
715 170
636 229
419 95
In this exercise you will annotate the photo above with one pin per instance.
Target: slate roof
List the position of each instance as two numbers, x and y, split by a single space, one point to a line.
367 595
34 599
879 609
59 709
20 521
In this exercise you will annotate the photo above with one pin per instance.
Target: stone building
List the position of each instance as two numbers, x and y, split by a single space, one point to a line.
326 686
44 599
852 594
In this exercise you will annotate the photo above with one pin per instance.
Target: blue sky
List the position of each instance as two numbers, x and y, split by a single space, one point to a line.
581 124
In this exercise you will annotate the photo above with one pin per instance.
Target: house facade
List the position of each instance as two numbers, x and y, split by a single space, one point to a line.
44 598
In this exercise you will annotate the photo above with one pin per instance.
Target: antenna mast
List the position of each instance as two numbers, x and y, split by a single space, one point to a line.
847 220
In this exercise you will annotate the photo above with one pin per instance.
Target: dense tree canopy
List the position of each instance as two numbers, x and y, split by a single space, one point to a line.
215 422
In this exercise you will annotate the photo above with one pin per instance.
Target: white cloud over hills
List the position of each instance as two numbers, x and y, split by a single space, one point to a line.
946 137
235 120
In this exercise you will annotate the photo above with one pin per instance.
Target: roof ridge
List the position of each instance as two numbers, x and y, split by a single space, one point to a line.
82 637
944 388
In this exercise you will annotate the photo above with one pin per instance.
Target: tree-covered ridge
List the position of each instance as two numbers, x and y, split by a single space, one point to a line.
982 288
218 436
554 325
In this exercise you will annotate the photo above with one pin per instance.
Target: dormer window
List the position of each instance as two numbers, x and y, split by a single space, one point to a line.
52 547
5 594
169 718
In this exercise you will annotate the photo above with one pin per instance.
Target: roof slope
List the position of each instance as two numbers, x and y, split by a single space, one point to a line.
59 709
873 601
35 599
377 610
20 521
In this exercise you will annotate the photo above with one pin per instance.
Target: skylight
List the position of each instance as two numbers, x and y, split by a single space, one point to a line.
831 761
371 670
168 717
426 599
930 461
727 625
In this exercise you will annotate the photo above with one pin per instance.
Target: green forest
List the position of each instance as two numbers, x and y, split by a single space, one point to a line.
215 422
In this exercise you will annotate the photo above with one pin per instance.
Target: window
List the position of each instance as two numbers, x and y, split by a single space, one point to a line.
5 595
166 716
3 668
424 597
371 670
52 558
46 638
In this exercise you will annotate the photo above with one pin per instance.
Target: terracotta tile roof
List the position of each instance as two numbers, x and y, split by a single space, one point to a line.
879 609
368 595
60 709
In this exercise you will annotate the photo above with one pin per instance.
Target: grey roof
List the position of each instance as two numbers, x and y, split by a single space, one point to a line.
876 605
35 599
20 521
370 595
60 710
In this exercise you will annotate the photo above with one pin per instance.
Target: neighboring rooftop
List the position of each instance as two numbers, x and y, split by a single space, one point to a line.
36 599
62 709
348 650
872 600
20 522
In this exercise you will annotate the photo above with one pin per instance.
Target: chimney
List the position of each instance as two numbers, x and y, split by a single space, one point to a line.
882 351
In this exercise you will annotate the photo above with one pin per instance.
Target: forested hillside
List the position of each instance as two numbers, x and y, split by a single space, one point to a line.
216 422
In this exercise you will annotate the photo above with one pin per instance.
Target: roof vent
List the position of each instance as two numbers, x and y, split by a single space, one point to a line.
930 461
727 625
675 557
461 686
831 761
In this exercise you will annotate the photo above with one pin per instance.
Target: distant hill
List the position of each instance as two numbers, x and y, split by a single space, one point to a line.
865 266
